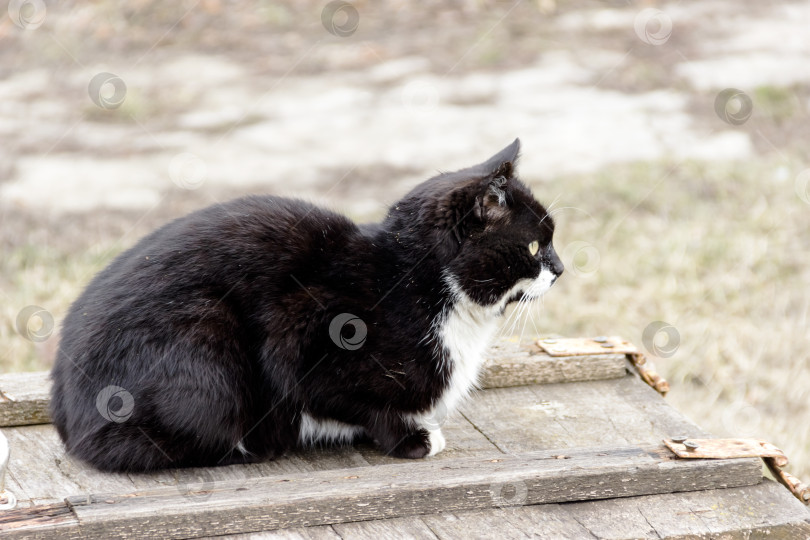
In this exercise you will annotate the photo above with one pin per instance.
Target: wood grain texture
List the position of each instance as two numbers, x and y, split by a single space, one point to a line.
483 483
46 521
617 412
308 533
399 490
765 510
762 511
592 413
40 472
513 363
24 397
410 527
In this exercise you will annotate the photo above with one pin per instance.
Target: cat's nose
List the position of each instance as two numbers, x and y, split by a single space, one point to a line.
557 265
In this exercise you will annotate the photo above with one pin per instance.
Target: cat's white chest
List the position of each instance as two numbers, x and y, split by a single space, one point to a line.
465 333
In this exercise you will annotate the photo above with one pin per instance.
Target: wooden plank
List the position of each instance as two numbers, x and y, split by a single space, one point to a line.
399 490
16 489
513 363
510 523
46 521
309 460
24 397
764 510
33 465
592 413
40 472
325 532
325 458
410 527
44 473
617 412
204 479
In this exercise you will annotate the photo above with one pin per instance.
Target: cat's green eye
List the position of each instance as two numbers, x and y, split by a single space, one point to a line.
534 247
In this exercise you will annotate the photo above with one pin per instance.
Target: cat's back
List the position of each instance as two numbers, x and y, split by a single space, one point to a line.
227 259
249 237
243 229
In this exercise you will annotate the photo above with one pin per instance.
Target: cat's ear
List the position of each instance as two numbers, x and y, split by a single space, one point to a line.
491 204
502 163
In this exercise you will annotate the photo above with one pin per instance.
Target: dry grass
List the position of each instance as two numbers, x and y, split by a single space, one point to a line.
718 251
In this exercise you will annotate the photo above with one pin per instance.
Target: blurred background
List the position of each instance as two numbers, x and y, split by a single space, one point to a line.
670 139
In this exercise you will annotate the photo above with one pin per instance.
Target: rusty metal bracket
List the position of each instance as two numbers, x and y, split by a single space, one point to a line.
647 374
557 347
586 346
773 457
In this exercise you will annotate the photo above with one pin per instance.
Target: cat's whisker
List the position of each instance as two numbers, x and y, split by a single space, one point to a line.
512 315
554 202
556 211
550 208
503 330
517 311
527 300
525 318
530 308
534 322
522 303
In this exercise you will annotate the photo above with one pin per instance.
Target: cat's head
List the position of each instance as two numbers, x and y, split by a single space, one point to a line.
490 237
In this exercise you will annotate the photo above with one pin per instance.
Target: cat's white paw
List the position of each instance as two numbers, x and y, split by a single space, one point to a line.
437 442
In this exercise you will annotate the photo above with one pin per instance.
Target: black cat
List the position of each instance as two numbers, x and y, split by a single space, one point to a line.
248 328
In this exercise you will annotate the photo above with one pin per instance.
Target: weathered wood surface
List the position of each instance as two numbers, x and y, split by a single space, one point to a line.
502 453
40 472
763 511
592 413
24 397
619 412
512 363
395 490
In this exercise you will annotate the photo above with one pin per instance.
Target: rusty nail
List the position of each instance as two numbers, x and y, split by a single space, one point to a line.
691 446
600 339
607 345
679 439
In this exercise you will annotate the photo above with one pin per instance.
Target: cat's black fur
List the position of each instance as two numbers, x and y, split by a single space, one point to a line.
208 340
